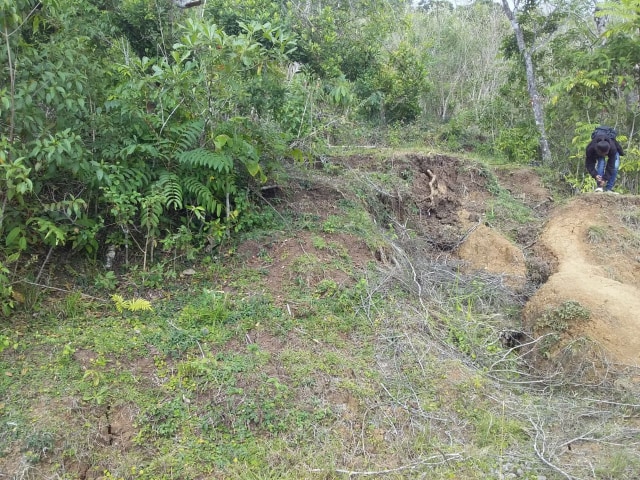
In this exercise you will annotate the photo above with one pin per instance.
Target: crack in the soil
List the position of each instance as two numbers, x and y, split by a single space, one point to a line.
84 470
110 434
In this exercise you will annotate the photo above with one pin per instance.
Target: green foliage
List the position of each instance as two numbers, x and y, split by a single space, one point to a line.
44 155
106 281
38 444
126 121
354 219
15 178
581 183
496 430
466 70
597 234
204 164
211 309
4 342
518 144
595 81
165 418
630 170
7 295
135 305
505 207
619 465
115 138
394 91
146 24
558 318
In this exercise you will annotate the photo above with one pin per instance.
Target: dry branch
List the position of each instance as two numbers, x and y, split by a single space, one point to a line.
446 457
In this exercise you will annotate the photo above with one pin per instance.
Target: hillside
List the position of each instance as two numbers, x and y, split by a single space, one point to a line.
405 315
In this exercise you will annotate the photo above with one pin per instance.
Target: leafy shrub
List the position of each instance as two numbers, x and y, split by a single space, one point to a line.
6 290
518 144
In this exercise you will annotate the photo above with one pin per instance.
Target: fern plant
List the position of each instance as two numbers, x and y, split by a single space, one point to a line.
171 188
186 135
202 195
189 131
135 305
201 157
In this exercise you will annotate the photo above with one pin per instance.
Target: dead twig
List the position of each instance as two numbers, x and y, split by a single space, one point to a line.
44 264
84 295
432 180
540 450
518 347
466 235
426 462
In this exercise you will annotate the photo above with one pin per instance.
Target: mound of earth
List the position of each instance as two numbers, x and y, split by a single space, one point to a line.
487 249
595 240
589 299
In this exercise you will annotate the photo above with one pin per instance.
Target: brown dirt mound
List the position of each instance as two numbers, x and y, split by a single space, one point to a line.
598 268
588 254
486 249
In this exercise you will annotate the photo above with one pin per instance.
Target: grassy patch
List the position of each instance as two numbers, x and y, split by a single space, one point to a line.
504 207
558 319
597 234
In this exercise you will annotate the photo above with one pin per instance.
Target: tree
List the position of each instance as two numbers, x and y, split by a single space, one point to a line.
464 64
44 159
536 101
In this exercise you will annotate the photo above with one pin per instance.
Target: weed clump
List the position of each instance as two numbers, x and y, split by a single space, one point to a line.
558 318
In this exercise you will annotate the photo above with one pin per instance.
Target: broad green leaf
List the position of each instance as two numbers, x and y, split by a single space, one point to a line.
12 235
253 168
222 140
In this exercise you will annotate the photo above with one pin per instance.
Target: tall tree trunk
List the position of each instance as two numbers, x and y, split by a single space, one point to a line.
538 112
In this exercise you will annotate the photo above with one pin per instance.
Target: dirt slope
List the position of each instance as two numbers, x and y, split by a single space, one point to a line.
592 245
387 419
598 265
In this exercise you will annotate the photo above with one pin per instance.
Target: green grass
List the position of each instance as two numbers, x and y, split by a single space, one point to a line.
597 234
505 208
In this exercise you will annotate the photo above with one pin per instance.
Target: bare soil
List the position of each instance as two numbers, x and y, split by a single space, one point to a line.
598 266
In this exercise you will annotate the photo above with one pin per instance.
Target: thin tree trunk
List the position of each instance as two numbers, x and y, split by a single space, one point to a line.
12 94
536 104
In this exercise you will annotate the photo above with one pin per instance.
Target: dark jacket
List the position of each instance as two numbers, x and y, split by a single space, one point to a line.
592 157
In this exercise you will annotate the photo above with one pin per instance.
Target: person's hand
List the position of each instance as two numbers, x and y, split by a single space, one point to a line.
600 181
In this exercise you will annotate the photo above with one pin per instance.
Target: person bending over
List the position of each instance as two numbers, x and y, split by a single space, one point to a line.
604 172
